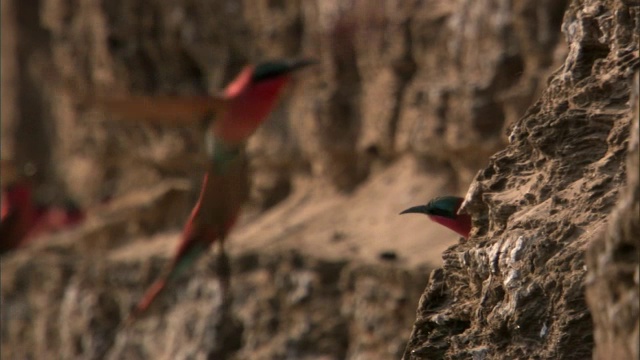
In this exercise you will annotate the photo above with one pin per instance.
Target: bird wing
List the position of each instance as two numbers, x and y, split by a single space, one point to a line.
162 110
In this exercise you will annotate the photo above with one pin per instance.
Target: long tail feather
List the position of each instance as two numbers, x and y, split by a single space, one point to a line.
151 294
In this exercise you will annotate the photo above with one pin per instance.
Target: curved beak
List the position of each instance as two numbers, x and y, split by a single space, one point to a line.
421 209
300 63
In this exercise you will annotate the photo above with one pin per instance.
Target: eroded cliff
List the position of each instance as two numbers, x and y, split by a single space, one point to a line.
408 102
517 288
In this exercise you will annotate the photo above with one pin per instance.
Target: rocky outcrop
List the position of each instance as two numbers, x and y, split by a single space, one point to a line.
516 288
409 101
614 266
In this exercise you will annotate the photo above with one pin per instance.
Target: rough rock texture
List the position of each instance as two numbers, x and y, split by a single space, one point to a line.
409 101
613 280
516 288
284 306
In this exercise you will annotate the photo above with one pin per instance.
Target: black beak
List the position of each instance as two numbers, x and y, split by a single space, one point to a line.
300 63
421 209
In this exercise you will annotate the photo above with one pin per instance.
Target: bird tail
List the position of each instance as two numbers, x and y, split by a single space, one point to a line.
146 300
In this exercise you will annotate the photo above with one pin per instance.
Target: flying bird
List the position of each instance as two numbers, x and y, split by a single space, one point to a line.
241 107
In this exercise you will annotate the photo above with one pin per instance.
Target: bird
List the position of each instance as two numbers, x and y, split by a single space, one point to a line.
244 104
24 216
18 214
224 190
239 109
51 218
444 211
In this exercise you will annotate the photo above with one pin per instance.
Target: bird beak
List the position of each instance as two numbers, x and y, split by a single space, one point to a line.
300 63
421 209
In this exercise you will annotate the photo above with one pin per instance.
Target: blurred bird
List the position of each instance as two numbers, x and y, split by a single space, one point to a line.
224 190
444 211
22 218
245 103
240 109
18 214
51 218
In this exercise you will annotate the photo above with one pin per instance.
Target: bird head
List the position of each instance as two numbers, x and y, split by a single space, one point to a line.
444 206
251 97
276 68
265 72
73 214
444 210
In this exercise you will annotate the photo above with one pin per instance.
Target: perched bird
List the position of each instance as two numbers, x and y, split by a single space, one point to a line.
239 110
224 190
444 211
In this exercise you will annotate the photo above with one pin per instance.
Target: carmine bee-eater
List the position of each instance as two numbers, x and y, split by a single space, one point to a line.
18 215
18 211
224 190
51 218
23 218
444 211
243 105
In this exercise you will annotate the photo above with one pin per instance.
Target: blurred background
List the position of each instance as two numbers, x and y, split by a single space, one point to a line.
408 102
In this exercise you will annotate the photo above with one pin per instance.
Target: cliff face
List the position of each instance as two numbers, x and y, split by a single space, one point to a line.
438 80
517 287
613 260
408 102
